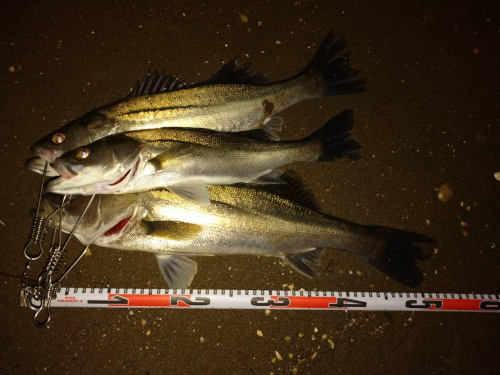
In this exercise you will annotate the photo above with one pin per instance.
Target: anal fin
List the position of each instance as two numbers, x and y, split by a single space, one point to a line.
300 262
178 271
269 178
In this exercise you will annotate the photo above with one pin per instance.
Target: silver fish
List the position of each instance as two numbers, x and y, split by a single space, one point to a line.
187 161
238 220
233 99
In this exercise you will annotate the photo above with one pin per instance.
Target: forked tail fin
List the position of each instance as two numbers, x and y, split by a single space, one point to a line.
332 69
333 138
397 252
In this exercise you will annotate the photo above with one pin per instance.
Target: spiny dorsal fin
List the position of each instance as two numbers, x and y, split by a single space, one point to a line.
178 271
294 190
172 230
157 83
231 72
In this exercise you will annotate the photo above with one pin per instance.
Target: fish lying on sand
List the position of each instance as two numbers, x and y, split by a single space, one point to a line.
233 99
238 220
187 161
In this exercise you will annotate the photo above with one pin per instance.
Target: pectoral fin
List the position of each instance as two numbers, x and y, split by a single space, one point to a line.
194 191
172 156
172 230
300 262
178 271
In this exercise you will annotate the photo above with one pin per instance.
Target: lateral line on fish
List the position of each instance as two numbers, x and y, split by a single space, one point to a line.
161 109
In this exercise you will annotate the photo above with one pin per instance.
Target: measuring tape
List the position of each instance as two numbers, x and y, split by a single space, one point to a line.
272 299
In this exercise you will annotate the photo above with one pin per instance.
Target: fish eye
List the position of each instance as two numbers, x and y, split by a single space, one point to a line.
83 153
58 138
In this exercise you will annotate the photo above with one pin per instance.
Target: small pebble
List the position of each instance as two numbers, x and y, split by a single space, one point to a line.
445 193
202 339
410 319
497 176
268 312
259 333
148 332
278 355
295 371
88 252
315 329
324 337
290 355
12 69
278 42
143 322
428 222
314 355
259 23
481 138
288 338
301 334
332 345
358 273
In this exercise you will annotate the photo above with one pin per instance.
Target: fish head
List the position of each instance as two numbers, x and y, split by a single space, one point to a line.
108 216
56 143
102 167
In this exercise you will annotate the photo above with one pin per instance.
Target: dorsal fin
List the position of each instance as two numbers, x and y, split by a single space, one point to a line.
157 83
294 190
231 72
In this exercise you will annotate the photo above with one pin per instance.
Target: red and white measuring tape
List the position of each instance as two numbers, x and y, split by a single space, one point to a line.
274 299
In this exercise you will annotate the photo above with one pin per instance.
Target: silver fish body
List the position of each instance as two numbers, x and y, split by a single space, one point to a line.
242 220
187 161
234 99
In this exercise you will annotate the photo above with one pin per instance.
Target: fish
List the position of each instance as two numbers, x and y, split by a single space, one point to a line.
280 221
187 161
236 98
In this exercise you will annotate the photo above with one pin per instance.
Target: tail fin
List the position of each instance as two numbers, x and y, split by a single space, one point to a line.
397 253
333 70
334 140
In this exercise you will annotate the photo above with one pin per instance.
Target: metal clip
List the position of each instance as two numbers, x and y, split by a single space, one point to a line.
37 232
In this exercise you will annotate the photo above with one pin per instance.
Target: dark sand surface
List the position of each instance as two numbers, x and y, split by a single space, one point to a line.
430 117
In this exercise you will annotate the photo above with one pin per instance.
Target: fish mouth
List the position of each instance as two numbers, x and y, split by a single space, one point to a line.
63 169
45 154
37 165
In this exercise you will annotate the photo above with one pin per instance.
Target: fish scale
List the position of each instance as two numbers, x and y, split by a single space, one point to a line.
233 99
240 220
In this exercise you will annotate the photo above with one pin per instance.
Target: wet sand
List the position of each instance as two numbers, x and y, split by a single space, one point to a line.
430 117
